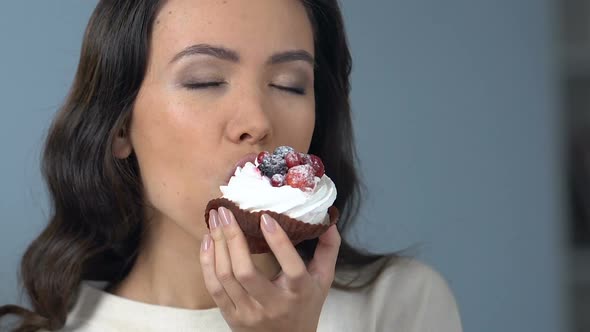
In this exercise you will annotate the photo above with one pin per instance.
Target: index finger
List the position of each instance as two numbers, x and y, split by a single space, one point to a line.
243 267
291 263
323 264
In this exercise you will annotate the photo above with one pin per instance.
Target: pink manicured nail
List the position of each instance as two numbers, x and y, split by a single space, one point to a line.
213 219
206 243
225 217
269 223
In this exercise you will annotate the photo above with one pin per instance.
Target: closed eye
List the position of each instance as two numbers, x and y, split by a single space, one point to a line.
297 91
203 85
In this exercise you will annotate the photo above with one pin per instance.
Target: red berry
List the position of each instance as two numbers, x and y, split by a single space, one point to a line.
304 158
277 180
261 156
317 164
292 159
301 177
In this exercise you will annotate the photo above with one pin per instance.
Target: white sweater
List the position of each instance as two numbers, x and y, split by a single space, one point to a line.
408 296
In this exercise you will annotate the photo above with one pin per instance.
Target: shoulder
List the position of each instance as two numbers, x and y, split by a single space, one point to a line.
406 294
394 273
80 326
413 294
412 276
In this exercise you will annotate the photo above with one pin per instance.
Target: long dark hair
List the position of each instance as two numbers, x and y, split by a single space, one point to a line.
97 219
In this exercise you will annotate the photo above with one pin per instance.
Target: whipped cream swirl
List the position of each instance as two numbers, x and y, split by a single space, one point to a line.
252 191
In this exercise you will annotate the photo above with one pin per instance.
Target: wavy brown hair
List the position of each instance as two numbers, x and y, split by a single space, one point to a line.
97 219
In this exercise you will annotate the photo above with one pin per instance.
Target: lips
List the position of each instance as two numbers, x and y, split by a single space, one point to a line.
250 157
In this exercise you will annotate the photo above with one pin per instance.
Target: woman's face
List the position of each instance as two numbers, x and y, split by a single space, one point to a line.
225 78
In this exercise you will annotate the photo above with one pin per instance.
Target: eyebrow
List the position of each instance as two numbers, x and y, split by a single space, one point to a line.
297 55
233 56
214 51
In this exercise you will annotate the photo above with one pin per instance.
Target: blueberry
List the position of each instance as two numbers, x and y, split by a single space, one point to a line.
282 151
272 165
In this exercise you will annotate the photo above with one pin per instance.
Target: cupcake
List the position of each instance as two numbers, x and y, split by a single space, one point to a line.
289 186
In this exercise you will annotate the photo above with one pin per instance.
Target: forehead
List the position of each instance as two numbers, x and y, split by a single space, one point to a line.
254 28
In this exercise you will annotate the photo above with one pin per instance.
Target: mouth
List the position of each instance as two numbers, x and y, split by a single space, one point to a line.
250 157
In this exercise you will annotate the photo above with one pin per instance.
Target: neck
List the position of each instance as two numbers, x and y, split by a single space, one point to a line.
168 272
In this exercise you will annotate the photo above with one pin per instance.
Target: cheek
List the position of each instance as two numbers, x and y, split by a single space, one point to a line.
170 141
294 126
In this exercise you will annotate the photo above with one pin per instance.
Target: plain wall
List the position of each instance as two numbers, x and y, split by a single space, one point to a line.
458 132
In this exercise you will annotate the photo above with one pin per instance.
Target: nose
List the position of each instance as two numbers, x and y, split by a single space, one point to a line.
250 122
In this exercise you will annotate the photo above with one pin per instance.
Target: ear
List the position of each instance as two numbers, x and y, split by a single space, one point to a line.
122 145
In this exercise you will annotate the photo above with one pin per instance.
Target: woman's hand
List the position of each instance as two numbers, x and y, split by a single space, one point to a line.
247 299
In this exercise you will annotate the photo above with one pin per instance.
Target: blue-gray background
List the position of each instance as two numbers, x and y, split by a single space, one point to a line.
458 129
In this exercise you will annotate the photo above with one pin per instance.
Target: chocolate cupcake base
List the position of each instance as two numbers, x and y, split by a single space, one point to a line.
249 222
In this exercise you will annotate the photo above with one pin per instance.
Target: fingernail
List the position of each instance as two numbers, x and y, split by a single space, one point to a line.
206 243
213 219
268 223
225 217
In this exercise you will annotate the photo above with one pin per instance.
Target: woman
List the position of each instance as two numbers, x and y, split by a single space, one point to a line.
167 97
